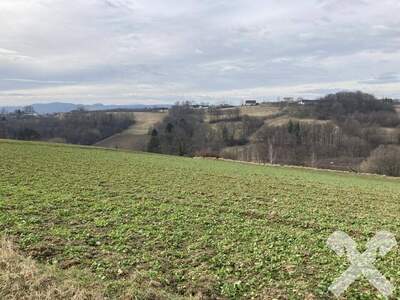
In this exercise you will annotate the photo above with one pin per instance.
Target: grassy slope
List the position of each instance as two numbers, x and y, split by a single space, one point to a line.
263 110
190 227
136 137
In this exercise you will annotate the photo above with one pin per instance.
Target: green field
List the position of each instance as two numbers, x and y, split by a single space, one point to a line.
181 227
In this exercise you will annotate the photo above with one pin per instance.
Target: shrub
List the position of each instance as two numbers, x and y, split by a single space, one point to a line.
384 160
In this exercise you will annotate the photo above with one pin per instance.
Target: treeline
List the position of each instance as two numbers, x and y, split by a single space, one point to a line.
186 132
339 131
299 143
78 127
357 106
346 129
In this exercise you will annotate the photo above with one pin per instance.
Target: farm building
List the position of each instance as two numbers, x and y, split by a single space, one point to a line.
250 102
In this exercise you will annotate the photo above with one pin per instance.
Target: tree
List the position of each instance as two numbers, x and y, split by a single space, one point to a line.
182 132
28 110
154 143
384 160
84 128
345 104
290 126
28 134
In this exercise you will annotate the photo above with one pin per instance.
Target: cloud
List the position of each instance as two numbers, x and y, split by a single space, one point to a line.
36 81
86 50
383 79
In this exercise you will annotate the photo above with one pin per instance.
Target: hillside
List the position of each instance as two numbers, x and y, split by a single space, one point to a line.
136 137
148 226
262 110
349 131
59 107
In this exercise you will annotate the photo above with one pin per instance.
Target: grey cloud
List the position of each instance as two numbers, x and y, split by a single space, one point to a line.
384 78
205 49
36 81
323 91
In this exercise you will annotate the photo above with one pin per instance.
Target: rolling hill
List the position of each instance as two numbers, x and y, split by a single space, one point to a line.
60 107
143 226
136 137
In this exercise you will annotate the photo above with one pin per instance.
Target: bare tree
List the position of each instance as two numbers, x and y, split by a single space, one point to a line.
384 160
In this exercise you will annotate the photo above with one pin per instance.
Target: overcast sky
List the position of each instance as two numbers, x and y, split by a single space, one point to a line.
160 51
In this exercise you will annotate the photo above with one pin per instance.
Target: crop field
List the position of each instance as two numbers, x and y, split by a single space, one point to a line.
146 226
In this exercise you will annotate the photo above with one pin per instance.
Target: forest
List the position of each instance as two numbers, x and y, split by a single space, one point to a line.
77 127
350 131
339 131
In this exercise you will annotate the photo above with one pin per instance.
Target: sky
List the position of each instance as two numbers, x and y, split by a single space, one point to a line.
163 51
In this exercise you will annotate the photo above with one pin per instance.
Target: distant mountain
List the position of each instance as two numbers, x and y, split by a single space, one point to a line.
58 107
50 108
